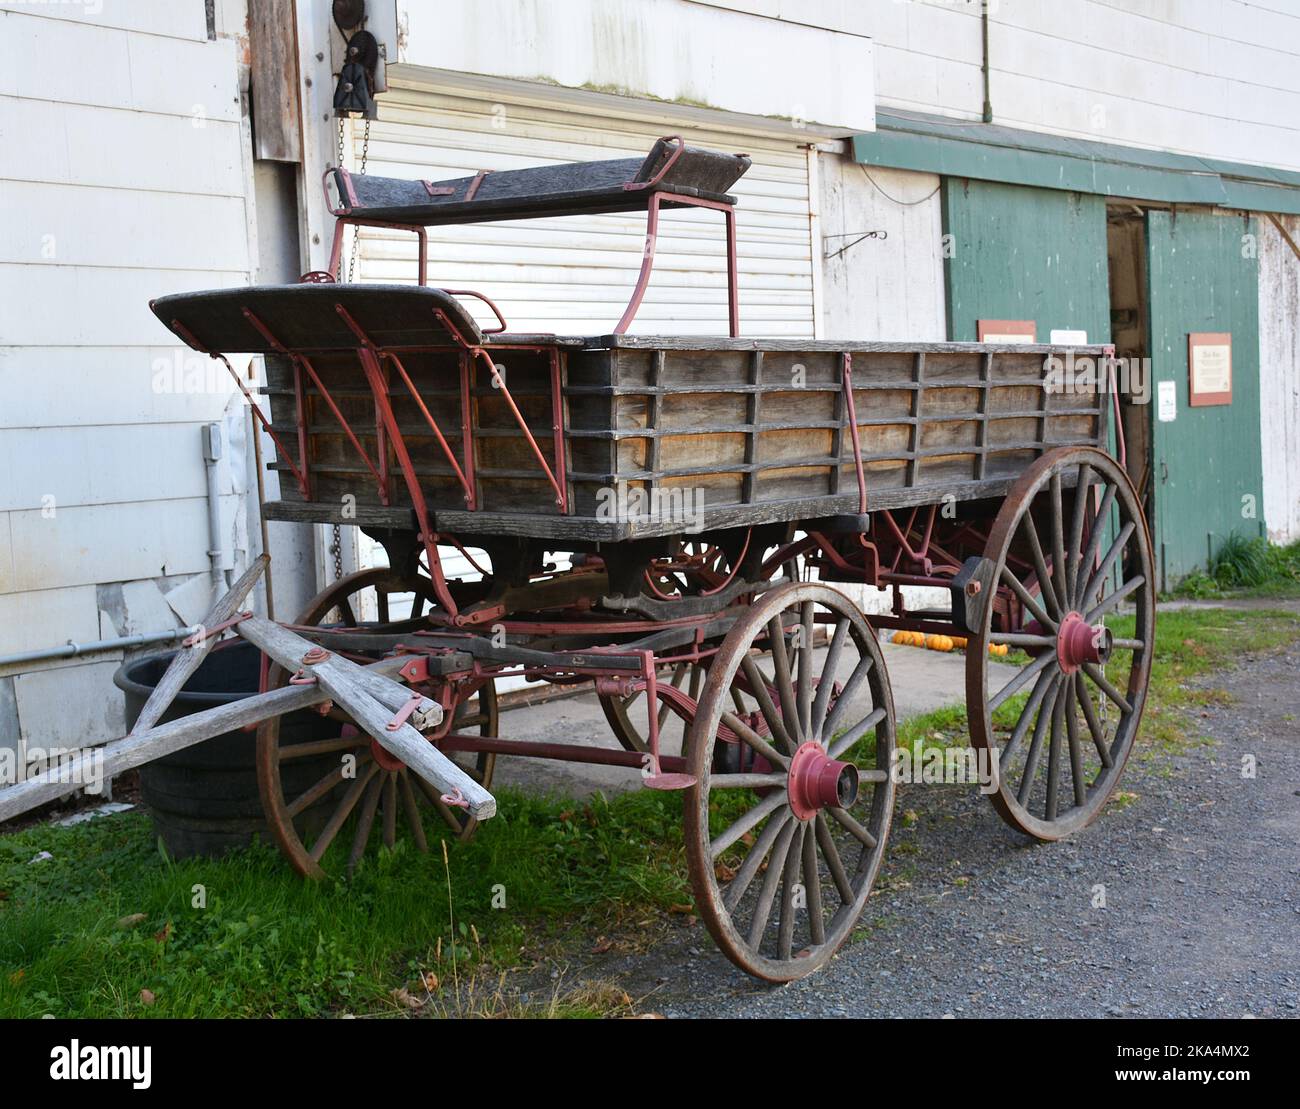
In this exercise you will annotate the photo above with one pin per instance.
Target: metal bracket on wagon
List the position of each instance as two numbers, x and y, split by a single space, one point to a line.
972 586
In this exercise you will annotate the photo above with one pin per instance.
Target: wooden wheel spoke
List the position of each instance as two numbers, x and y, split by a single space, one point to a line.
1098 578
1076 751
744 878
1093 721
1058 538
1027 714
834 863
319 747
1097 529
851 687
755 741
341 813
774 780
827 684
1045 585
1036 744
1028 599
853 735
1023 677
365 821
804 694
793 866
1108 603
1076 531
747 822
851 825
784 682
305 800
759 690
1103 683
1055 744
812 883
412 808
771 880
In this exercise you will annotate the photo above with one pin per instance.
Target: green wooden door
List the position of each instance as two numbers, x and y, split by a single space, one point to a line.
1202 275
1018 253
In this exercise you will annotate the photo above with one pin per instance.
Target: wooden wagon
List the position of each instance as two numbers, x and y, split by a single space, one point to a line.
668 518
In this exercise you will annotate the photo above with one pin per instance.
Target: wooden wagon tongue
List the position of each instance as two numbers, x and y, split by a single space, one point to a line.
385 709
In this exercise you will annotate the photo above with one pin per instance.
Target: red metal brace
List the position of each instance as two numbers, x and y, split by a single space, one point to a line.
454 799
404 713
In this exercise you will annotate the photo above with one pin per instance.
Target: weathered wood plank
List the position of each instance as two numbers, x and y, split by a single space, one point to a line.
287 649
188 659
353 690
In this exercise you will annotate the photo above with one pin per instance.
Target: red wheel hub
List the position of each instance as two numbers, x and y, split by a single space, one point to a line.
1078 642
385 758
818 781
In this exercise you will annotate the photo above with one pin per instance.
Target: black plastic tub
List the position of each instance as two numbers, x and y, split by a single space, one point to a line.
204 799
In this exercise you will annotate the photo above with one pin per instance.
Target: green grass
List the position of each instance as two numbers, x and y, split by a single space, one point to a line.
1248 567
268 943
84 933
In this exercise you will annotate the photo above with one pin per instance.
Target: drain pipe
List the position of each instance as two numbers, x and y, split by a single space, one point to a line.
75 650
211 456
988 99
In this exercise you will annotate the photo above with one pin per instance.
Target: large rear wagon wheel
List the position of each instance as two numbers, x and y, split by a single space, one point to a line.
1061 719
791 750
372 795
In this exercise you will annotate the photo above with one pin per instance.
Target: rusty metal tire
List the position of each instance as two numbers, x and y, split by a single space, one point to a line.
380 798
794 723
1057 567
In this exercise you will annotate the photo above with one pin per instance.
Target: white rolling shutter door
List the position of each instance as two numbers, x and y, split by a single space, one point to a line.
573 275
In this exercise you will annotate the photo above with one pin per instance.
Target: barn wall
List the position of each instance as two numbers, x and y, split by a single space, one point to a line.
889 286
124 178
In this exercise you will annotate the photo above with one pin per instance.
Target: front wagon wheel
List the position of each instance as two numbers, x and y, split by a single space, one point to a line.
1060 715
791 751
369 797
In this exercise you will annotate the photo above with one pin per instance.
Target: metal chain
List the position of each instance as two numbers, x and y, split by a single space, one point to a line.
336 533
361 170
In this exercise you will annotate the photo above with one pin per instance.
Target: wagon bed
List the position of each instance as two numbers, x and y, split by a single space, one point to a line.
605 438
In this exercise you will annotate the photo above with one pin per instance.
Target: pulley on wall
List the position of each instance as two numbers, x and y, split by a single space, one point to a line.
355 92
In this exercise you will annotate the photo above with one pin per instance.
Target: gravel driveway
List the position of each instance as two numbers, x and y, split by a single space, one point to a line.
1201 874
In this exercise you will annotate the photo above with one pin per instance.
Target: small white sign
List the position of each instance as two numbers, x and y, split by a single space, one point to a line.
1167 401
1062 337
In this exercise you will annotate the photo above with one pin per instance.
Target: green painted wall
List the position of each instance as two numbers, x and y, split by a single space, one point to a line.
1207 459
1019 253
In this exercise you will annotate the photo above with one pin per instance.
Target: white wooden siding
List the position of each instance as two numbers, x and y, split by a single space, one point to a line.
1279 378
124 179
574 274
888 288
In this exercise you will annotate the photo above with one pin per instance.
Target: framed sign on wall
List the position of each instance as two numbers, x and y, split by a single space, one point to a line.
1209 367
1006 331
